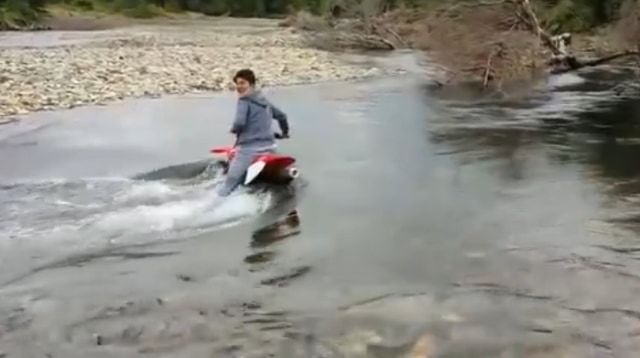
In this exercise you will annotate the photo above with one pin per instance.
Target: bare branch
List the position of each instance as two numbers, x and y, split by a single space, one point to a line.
489 68
610 58
572 64
534 25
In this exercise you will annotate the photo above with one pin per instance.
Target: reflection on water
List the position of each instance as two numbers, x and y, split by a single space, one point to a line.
280 230
275 229
593 120
263 238
566 162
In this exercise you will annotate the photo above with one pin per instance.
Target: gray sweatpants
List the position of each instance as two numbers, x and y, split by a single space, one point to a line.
239 165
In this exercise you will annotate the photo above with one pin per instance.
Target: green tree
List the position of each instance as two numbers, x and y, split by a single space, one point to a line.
557 14
580 15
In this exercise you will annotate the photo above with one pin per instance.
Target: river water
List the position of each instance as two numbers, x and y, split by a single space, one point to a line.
424 224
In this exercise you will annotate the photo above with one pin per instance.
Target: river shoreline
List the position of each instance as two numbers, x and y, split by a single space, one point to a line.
66 69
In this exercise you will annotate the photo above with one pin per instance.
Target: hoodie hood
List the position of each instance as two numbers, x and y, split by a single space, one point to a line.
256 97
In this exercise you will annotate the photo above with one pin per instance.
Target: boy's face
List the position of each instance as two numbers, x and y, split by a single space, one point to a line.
242 86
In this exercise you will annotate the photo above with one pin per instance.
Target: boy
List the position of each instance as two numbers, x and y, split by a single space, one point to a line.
252 127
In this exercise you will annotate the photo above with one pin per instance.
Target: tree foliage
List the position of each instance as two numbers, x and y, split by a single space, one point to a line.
580 15
19 13
558 14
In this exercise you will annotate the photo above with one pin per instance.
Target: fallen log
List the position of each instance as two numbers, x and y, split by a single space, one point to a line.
562 60
573 64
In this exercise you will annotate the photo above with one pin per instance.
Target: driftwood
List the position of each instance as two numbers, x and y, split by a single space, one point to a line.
562 60
507 21
348 33
488 70
341 39
575 64
526 13
381 29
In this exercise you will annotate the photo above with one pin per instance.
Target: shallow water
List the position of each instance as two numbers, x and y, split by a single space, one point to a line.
453 225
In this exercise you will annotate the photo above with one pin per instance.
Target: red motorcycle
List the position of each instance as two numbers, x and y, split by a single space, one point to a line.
267 168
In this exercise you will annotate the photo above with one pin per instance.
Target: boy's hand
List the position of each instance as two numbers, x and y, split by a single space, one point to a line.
282 135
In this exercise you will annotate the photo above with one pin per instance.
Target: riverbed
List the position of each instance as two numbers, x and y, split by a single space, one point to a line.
65 69
423 224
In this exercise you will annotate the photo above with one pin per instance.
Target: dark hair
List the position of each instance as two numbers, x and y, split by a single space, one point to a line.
245 74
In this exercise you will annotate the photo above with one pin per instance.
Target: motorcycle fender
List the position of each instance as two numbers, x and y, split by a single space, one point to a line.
253 171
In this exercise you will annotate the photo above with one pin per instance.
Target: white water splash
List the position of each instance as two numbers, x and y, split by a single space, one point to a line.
146 190
118 208
564 80
182 214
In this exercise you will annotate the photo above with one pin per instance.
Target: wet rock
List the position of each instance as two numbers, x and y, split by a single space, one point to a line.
259 257
17 319
285 279
359 343
452 317
541 330
203 332
544 351
98 339
230 349
132 334
125 309
251 305
277 327
262 321
185 278
424 347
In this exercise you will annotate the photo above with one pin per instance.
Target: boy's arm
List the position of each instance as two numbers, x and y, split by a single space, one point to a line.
281 117
242 112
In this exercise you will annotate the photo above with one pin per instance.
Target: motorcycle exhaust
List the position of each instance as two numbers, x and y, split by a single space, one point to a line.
293 173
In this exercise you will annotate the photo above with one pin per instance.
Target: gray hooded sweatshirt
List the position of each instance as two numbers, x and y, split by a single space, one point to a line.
253 119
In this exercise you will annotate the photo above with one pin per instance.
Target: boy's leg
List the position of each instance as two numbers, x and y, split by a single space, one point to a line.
237 168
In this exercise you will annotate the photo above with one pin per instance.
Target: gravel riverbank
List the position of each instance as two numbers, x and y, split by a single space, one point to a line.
69 69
